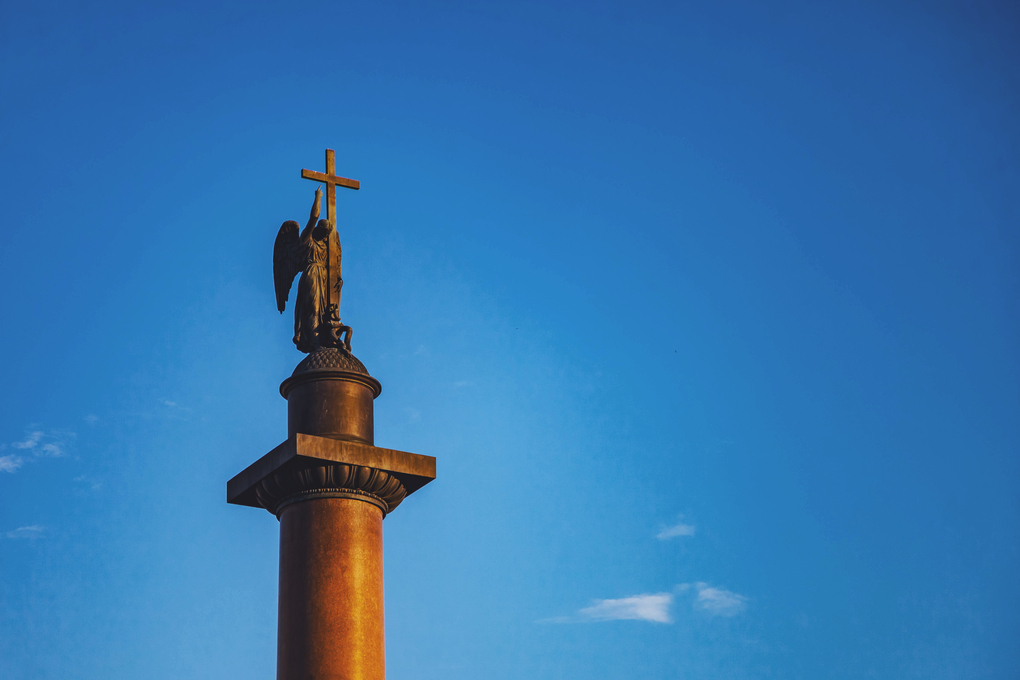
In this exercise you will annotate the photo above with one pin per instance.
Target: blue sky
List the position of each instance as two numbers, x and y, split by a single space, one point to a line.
708 312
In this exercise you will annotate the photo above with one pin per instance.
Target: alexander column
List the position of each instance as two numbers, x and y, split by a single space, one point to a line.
328 484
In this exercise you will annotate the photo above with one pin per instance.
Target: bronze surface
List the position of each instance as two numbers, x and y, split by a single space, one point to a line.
316 254
331 406
331 181
328 484
331 359
412 470
330 480
331 620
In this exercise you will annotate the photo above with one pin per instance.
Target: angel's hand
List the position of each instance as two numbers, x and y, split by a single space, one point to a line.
316 206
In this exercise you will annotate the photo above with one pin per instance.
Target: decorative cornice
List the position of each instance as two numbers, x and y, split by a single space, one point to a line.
305 462
353 494
330 374
332 480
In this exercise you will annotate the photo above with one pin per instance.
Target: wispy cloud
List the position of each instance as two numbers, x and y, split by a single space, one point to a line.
52 444
656 607
653 607
678 529
93 484
52 449
174 411
11 463
31 441
92 419
464 383
34 531
717 601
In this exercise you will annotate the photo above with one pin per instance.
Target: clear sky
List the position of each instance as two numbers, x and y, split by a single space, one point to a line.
707 310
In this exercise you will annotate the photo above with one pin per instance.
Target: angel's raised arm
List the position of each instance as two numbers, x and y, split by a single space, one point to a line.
314 217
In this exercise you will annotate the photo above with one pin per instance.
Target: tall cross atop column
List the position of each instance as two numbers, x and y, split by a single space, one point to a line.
332 182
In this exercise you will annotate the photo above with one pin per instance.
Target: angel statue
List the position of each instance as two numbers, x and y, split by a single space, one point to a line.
316 254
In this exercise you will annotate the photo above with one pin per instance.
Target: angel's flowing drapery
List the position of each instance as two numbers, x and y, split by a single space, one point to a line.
316 254
314 295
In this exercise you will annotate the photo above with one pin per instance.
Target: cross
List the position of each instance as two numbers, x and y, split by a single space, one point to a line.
332 182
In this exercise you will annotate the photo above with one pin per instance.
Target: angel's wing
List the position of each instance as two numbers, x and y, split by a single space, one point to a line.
285 261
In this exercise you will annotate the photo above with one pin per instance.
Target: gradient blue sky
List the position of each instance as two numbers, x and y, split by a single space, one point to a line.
707 310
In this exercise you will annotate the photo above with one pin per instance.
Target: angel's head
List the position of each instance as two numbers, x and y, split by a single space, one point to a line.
322 229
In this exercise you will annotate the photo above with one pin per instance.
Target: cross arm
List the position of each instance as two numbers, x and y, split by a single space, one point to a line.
331 179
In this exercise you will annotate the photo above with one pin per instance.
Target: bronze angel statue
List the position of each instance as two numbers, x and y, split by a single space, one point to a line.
315 253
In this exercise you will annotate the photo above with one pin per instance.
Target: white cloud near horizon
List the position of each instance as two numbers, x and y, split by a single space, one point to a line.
40 443
655 607
54 449
31 440
174 410
717 601
93 484
678 529
652 607
11 463
34 531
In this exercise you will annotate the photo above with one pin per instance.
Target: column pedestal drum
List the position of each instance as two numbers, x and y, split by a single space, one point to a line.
331 488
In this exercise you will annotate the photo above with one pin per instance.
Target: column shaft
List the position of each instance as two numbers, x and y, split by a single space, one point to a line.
331 591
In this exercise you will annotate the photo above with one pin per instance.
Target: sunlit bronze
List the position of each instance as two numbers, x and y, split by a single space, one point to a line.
331 407
316 254
328 484
331 591
331 181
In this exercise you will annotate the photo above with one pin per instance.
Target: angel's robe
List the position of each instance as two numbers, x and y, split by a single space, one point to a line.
318 287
